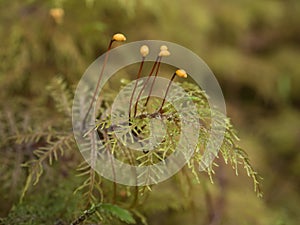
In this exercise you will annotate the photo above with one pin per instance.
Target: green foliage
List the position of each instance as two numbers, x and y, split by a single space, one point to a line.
91 186
50 204
54 144
50 152
253 48
61 95
117 212
106 210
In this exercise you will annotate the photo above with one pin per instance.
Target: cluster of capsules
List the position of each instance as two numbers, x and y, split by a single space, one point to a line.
144 51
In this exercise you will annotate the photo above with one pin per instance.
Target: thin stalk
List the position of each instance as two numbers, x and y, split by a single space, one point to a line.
135 85
152 85
169 85
98 82
145 84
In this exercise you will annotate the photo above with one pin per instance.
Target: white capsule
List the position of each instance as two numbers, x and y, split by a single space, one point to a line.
144 50
164 53
163 48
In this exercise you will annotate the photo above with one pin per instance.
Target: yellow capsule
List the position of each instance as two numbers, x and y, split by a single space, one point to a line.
119 37
57 14
164 53
181 73
144 50
163 48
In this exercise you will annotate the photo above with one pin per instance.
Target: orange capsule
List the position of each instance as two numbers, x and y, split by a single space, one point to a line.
181 73
119 37
57 14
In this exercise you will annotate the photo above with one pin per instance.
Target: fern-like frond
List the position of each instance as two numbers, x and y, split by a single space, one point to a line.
61 95
229 150
46 154
91 186
34 136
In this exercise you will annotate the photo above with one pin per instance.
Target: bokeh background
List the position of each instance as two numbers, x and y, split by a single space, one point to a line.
253 48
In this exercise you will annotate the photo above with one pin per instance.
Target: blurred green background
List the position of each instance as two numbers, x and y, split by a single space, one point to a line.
253 48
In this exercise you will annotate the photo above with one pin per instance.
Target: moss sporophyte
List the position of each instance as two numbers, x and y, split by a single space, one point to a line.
107 198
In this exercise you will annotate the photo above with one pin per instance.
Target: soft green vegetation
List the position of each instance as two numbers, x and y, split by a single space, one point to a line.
252 47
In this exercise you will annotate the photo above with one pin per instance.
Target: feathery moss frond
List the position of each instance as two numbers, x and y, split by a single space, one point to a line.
61 95
46 154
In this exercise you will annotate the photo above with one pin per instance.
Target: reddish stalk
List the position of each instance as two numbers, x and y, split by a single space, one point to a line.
180 73
145 84
144 50
116 37
151 88
163 52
